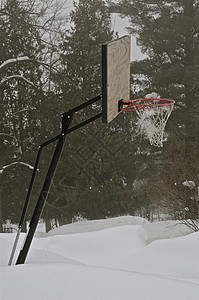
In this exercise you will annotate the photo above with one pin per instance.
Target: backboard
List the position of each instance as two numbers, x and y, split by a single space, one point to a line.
115 76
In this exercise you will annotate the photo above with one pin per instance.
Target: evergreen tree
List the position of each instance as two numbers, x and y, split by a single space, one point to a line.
18 103
100 159
28 106
167 31
81 50
92 151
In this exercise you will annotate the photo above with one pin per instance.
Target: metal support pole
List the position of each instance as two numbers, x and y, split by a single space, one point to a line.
25 206
66 120
45 190
83 105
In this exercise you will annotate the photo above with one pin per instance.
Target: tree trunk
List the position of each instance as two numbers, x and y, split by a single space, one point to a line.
47 220
1 220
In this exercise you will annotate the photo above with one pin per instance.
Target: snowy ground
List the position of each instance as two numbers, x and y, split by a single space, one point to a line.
121 258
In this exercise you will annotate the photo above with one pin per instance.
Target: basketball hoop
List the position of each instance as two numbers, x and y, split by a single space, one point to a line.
153 114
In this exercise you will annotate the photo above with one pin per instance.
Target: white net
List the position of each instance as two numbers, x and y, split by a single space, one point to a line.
152 121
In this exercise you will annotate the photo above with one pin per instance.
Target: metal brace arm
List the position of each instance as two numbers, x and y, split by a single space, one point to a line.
66 121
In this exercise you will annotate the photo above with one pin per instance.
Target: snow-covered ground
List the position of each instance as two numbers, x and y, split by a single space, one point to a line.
119 258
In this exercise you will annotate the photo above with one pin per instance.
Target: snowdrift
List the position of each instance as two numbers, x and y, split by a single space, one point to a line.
105 262
94 225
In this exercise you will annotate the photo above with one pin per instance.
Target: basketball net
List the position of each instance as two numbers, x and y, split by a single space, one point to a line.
152 120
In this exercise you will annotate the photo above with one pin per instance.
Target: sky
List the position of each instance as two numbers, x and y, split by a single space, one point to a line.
119 25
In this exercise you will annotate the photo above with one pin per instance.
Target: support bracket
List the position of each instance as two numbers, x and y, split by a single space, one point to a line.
66 122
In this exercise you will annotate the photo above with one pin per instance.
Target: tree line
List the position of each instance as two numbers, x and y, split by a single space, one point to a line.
51 62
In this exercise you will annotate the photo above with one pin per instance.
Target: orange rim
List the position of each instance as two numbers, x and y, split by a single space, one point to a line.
145 102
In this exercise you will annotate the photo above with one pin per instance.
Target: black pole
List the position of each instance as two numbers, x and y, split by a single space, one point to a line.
30 188
83 105
45 190
25 206
66 120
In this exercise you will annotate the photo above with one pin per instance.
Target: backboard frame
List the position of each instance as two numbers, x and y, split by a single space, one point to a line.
115 76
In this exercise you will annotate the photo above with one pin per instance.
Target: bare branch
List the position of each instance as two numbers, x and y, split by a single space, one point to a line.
13 60
16 163
8 135
17 77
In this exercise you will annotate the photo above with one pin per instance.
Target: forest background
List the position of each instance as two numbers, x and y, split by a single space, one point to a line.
105 170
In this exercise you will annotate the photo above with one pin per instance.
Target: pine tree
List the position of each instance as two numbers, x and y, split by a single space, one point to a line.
81 50
17 104
100 158
88 159
167 31
25 106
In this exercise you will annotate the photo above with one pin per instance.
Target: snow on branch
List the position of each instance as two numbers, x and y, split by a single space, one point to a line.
16 163
8 135
189 183
17 77
13 60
